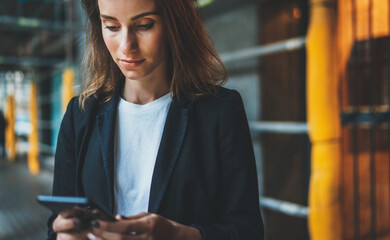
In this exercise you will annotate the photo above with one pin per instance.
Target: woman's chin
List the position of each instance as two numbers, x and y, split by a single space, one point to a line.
132 76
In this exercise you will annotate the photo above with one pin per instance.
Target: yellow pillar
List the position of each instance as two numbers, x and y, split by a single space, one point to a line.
10 136
324 122
67 87
33 138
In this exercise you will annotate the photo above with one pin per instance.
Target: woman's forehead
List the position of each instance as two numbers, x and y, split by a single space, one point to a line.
125 8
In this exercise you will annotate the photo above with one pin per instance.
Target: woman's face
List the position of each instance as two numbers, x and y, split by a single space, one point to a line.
134 36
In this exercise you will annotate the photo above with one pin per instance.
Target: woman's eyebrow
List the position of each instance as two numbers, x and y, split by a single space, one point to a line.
107 17
144 14
133 18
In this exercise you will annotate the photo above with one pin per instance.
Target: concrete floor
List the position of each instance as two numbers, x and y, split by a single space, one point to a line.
21 217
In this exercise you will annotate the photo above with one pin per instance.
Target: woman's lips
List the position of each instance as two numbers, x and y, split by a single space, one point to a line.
131 63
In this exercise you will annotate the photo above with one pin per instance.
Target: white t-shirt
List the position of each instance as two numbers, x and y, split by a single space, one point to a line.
138 135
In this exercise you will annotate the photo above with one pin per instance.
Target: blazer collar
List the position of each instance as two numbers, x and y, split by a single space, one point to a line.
171 142
106 119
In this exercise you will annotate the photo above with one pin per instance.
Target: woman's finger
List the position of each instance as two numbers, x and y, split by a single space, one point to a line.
62 224
138 225
79 235
91 236
68 213
139 215
102 235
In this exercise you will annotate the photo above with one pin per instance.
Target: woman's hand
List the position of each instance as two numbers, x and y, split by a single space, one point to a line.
142 226
68 225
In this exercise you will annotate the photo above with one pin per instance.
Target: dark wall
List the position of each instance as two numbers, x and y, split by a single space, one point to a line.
286 157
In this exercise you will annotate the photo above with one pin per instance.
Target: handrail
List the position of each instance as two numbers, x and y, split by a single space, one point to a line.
288 208
279 127
29 61
267 49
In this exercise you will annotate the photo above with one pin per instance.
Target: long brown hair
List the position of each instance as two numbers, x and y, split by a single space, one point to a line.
195 69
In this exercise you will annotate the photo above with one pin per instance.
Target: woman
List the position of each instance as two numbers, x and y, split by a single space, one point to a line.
153 136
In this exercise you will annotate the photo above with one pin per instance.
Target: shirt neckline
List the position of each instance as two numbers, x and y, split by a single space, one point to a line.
156 104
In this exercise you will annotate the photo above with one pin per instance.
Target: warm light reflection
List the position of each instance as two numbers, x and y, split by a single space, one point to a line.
297 13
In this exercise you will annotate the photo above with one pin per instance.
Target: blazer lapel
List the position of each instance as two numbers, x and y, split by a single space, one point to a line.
171 142
106 120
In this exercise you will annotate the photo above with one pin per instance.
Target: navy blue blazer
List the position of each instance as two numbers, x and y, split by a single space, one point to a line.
204 176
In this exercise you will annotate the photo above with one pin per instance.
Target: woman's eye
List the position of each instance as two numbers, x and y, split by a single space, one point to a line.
146 26
112 28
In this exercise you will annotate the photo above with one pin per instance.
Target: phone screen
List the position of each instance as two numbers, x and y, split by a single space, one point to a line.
59 203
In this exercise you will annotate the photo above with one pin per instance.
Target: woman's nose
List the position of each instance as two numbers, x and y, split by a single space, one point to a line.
128 42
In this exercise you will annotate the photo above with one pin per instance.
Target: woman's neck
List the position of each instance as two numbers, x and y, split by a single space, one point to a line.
141 92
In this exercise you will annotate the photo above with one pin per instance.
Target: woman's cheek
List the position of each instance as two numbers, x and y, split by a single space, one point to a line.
158 43
110 43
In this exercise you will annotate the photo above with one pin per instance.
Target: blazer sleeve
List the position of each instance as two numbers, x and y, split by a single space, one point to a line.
239 198
65 162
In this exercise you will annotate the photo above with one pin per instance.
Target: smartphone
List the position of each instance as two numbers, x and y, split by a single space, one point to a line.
59 203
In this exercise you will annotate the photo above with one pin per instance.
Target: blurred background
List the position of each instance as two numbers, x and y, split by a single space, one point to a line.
315 79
